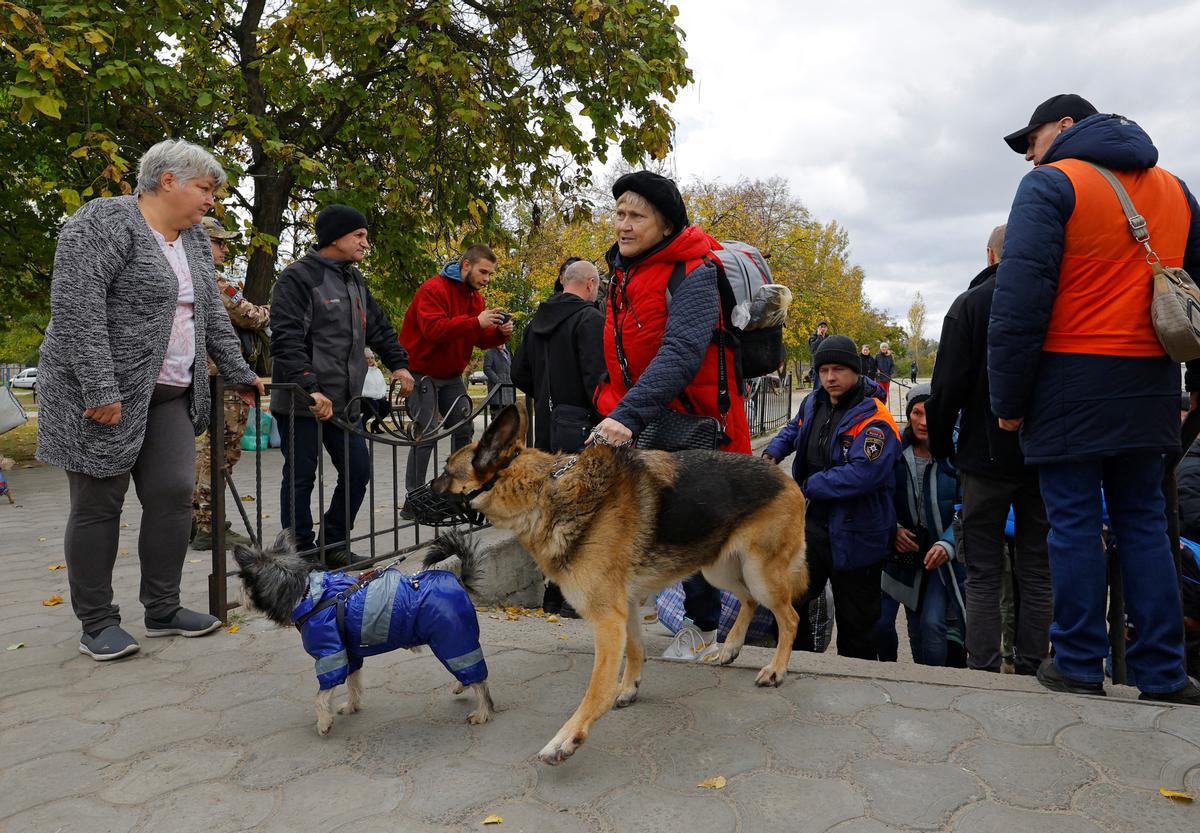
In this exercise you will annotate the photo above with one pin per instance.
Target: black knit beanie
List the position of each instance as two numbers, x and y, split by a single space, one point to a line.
335 221
660 192
837 350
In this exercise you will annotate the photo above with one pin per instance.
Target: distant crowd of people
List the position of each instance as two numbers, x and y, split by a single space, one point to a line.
1051 415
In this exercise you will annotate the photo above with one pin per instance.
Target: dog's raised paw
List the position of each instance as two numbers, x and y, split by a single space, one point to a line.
770 677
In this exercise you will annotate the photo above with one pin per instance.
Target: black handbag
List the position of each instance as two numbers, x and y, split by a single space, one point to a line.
674 431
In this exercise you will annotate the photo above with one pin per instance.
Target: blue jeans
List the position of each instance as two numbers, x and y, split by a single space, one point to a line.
927 624
354 471
1133 491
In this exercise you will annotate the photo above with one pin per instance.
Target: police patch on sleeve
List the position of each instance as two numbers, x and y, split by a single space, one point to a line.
873 439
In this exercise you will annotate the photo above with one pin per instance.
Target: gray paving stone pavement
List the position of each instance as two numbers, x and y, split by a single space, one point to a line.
217 735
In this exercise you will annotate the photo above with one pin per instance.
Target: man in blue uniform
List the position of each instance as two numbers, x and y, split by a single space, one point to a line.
846 445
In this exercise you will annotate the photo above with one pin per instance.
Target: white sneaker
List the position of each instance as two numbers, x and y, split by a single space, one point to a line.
693 645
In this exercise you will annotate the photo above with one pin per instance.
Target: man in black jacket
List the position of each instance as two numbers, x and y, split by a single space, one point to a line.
994 477
561 361
322 319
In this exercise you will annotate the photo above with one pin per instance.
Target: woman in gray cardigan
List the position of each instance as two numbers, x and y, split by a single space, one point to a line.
133 310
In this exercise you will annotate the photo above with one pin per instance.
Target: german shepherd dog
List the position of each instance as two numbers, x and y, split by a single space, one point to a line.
612 525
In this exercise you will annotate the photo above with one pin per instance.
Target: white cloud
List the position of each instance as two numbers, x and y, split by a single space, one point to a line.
888 117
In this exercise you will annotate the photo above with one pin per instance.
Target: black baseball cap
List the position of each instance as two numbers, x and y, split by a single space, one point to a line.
1052 109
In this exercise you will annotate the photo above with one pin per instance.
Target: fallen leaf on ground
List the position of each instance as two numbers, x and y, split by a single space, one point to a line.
717 782
123 552
493 819
563 638
1175 794
247 498
193 561
16 647
42 538
57 567
124 526
233 629
52 601
553 617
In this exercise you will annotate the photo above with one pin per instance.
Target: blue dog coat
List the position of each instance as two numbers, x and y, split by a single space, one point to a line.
392 611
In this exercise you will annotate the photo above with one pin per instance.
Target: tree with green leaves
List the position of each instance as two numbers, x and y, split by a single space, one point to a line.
426 114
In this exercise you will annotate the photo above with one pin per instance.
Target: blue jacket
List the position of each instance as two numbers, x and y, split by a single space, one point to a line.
392 611
857 489
940 487
1075 405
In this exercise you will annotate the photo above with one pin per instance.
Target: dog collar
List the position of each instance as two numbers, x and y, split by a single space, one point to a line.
493 480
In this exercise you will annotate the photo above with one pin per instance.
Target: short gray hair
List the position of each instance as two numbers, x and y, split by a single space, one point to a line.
996 241
180 157
580 270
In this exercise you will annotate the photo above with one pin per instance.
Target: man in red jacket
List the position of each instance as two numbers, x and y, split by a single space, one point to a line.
444 323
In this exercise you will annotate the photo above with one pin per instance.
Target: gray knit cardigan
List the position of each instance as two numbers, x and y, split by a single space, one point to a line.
112 303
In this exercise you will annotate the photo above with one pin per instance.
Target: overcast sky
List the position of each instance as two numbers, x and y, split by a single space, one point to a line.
888 116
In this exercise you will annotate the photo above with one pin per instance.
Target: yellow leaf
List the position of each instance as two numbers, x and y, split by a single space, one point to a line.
79 153
493 819
553 617
18 646
124 526
247 498
42 538
57 567
52 601
717 782
1175 794
233 628
193 561
123 552
563 638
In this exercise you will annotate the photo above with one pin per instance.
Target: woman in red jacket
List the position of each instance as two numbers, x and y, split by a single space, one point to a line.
668 355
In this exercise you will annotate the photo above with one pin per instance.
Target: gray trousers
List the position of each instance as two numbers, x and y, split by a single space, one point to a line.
163 476
430 400
985 509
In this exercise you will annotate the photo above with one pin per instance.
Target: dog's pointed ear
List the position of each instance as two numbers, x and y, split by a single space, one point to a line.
244 556
284 541
506 432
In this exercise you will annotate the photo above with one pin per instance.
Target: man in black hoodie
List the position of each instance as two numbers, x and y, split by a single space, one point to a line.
561 361
994 477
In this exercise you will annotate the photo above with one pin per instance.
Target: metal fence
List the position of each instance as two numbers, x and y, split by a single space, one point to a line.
390 537
393 538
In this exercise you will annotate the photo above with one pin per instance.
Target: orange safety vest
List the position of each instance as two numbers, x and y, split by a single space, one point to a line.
1104 286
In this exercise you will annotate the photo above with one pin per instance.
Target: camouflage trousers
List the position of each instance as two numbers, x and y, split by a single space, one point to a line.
236 414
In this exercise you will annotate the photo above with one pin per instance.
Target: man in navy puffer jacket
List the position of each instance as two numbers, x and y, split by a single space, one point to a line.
1074 363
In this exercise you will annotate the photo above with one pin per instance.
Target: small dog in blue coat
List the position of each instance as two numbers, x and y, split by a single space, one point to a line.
342 620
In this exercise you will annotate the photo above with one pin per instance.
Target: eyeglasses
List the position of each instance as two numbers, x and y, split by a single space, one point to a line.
220 244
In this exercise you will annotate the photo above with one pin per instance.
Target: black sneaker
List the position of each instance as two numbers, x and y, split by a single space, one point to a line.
183 622
1189 695
406 513
110 643
1049 675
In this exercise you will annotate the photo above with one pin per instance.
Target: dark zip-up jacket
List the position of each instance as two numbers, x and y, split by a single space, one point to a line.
960 384
570 331
940 489
322 319
853 491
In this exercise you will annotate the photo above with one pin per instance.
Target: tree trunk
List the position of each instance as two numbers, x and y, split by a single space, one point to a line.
272 192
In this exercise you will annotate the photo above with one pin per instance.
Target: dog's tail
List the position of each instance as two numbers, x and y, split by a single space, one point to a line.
461 545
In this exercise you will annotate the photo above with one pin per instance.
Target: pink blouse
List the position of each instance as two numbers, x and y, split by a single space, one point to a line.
181 351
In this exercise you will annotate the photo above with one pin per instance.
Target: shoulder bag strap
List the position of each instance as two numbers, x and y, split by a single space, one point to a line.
1137 223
